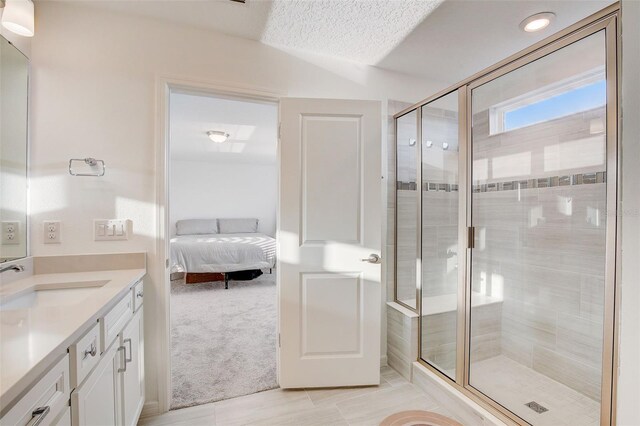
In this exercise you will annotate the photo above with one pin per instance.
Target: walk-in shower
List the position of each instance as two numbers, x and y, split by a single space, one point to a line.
506 228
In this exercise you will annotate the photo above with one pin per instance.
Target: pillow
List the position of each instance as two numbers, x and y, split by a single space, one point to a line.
196 227
237 226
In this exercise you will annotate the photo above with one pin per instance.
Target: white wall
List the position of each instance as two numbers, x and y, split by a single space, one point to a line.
93 94
200 189
628 413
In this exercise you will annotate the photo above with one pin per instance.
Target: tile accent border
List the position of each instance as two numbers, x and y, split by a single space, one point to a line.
511 185
547 182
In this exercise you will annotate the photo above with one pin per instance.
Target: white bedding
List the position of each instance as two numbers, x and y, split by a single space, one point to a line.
223 252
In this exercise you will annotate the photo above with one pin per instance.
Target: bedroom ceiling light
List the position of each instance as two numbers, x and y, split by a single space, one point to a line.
17 17
537 22
217 136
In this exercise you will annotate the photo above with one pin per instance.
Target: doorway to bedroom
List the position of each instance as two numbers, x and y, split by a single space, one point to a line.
223 193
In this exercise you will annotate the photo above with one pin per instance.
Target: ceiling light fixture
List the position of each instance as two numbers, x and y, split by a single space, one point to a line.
17 17
537 22
217 136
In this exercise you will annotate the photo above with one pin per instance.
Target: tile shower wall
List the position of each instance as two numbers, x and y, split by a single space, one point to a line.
542 249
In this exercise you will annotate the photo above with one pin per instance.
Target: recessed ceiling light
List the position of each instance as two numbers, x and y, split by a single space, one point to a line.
217 135
537 22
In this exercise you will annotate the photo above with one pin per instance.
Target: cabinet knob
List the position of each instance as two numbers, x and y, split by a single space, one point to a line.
91 351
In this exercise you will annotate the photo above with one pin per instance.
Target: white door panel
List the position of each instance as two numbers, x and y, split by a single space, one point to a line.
330 202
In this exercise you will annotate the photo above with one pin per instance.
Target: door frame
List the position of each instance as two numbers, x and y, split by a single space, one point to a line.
160 263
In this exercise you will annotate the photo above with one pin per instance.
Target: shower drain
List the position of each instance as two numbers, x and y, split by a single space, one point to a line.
536 407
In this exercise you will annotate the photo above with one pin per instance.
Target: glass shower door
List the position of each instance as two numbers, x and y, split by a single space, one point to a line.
538 207
440 207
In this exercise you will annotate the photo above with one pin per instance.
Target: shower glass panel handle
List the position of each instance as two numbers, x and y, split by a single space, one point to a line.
439 234
539 211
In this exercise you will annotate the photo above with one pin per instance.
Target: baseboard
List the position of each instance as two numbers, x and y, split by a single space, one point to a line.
383 361
150 408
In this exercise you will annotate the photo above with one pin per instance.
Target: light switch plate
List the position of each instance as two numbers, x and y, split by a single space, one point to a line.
10 233
52 232
111 229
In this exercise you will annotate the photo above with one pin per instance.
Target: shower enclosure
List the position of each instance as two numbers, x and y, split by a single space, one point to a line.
506 200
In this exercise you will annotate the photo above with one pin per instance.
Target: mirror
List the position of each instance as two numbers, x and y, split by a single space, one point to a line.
14 80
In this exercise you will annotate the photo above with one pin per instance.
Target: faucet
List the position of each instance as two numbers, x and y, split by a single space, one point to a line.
17 268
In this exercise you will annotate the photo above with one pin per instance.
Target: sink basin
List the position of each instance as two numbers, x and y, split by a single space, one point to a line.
58 294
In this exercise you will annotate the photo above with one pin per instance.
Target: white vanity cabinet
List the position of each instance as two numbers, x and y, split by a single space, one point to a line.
131 339
100 379
46 403
97 401
113 393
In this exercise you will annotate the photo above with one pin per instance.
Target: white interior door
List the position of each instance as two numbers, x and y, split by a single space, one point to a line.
329 221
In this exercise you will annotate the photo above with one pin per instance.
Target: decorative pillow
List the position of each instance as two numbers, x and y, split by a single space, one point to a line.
196 227
237 226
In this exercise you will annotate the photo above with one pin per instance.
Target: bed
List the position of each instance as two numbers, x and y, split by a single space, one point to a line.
224 246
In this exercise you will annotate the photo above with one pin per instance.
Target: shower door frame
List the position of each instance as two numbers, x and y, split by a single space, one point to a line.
608 19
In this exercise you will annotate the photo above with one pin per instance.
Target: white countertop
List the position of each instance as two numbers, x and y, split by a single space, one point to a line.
33 339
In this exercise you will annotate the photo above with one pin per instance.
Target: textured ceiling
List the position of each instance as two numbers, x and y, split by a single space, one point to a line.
444 41
252 128
358 30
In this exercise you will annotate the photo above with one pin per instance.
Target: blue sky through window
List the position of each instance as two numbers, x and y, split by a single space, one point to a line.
581 99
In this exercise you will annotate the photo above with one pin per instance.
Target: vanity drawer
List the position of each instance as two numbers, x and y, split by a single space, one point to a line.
65 419
84 354
114 321
46 400
138 295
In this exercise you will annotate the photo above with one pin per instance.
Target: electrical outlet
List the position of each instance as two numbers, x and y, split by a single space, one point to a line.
52 232
10 233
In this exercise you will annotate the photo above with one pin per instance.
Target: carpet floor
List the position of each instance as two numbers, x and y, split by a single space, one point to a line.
223 342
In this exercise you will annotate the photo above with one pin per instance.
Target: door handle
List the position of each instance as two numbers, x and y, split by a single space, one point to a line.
373 258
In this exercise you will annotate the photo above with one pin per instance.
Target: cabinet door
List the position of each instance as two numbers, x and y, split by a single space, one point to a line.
97 401
132 377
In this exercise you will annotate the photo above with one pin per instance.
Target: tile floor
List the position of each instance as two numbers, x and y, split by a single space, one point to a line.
513 385
350 406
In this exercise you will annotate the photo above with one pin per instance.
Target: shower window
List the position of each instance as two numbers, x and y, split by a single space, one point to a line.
579 93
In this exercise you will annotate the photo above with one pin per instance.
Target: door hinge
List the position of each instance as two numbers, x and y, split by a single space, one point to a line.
279 130
279 345
166 263
471 237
